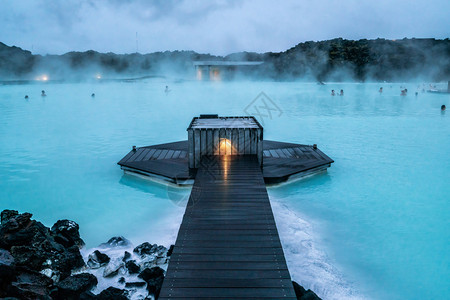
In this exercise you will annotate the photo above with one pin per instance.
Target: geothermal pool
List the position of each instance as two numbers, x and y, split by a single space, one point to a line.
375 226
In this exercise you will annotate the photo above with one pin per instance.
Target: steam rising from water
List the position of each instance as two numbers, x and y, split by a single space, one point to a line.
331 60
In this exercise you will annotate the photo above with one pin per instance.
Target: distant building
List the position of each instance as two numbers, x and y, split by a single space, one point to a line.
218 70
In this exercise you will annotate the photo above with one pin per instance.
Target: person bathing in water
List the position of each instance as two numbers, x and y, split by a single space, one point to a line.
333 93
167 90
404 92
341 93
380 90
43 93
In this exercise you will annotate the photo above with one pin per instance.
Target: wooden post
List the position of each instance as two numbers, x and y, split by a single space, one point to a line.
228 131
247 141
259 147
252 141
196 148
234 142
216 142
222 135
202 142
191 148
209 142
241 141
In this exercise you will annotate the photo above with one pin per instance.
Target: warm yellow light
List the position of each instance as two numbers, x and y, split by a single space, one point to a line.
225 147
226 166
42 78
214 75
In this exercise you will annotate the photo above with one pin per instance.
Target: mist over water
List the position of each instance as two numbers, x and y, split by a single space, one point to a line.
374 226
424 59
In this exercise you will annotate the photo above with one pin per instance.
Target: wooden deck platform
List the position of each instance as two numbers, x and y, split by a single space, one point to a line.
281 161
228 245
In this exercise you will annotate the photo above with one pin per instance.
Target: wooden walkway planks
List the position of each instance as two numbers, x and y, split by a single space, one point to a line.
228 245
280 161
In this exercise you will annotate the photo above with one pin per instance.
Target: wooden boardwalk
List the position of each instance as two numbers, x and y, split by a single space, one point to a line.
228 245
281 161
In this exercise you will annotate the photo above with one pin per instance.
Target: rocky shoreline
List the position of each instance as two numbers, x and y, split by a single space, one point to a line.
37 262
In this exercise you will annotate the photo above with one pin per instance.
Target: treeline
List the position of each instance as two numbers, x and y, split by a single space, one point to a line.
331 60
361 60
16 63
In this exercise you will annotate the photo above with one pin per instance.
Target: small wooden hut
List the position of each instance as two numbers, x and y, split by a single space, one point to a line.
214 135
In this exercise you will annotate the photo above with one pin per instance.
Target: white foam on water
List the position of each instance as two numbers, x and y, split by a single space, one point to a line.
165 235
104 283
307 261
306 258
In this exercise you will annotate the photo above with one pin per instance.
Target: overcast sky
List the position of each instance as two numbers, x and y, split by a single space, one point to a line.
216 27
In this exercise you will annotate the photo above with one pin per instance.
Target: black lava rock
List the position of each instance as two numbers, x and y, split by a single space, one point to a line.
88 295
60 239
68 261
35 247
303 294
28 256
6 258
20 230
149 249
145 248
67 233
169 252
27 248
101 257
7 271
8 214
98 259
74 285
126 256
113 293
30 285
134 284
154 278
116 241
151 273
132 267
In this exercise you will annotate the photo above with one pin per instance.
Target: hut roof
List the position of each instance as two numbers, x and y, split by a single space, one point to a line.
214 122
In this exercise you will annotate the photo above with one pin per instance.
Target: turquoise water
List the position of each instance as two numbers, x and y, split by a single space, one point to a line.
375 226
